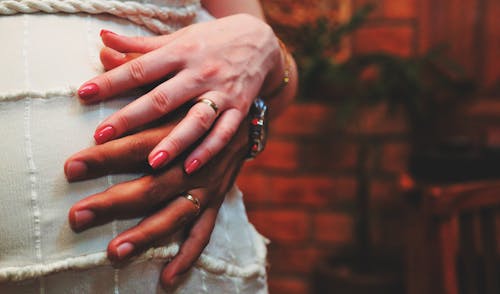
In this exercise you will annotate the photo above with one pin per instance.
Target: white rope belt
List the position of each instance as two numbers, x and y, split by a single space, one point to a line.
210 264
161 20
52 93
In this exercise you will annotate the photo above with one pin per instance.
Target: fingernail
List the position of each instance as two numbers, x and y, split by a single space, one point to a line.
104 135
103 31
83 218
159 159
124 249
75 170
88 91
192 166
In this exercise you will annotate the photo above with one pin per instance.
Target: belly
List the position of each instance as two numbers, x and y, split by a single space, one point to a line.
41 124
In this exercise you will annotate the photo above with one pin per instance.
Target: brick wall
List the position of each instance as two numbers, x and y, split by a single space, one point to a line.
300 191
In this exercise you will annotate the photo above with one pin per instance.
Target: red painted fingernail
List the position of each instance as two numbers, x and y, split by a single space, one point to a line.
159 159
88 91
83 218
104 135
192 166
124 249
103 31
75 169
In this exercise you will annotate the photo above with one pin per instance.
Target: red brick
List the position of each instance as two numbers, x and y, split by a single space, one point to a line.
400 9
311 191
395 157
391 39
281 226
288 260
255 187
497 225
377 13
304 119
287 286
279 154
388 231
384 193
483 108
318 121
324 156
333 228
377 121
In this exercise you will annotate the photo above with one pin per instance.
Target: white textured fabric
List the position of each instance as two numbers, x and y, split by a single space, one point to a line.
41 123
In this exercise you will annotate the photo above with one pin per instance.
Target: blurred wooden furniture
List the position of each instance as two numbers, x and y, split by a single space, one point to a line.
453 239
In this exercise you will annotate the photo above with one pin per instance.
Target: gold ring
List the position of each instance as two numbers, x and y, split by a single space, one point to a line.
193 200
210 103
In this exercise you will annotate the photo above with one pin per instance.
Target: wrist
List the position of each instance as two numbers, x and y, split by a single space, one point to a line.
279 75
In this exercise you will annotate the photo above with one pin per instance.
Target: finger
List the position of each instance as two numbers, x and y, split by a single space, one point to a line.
111 58
123 155
197 122
143 70
221 134
138 44
127 200
160 101
155 227
193 246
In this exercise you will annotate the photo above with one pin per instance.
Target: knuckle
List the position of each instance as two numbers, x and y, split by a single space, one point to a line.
199 238
203 117
209 70
198 78
140 41
99 159
123 122
225 135
137 72
138 148
208 152
160 101
143 234
108 85
177 179
188 47
175 145
153 190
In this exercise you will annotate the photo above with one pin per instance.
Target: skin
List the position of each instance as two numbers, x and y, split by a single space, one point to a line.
220 142
156 196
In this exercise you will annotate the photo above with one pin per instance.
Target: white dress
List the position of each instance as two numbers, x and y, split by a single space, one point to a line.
45 57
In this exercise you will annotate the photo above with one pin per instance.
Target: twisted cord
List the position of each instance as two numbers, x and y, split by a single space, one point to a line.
161 20
52 93
206 262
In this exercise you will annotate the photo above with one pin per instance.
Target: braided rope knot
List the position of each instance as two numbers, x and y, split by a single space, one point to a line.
161 20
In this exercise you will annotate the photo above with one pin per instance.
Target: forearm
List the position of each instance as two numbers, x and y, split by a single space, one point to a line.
221 8
277 104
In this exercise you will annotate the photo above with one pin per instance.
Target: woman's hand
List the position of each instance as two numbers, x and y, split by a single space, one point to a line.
156 197
226 61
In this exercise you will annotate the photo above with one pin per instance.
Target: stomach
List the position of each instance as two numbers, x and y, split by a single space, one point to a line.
42 123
